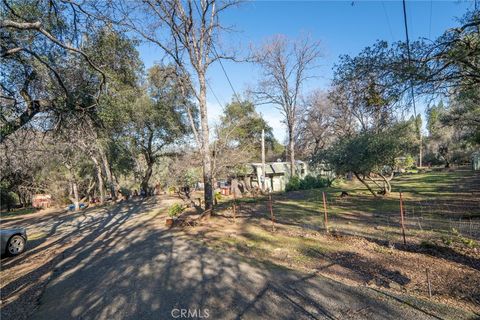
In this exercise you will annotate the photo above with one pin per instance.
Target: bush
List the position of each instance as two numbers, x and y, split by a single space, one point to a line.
293 184
125 191
8 199
309 182
470 243
432 159
406 162
175 210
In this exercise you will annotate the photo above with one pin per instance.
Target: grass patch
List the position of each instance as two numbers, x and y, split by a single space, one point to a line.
36 236
17 212
281 248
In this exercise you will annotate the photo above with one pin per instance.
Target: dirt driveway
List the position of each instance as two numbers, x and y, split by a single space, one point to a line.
120 262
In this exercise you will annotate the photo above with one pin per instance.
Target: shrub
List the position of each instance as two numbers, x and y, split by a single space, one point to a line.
447 241
407 162
432 159
175 210
293 184
309 182
470 243
125 191
7 199
427 244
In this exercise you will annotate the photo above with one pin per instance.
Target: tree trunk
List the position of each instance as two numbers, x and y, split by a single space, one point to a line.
291 146
207 161
75 195
20 198
146 177
101 186
387 184
74 192
108 172
365 184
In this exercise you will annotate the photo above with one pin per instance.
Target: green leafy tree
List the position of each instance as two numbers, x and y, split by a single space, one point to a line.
463 116
365 93
244 125
44 64
370 156
117 56
434 116
238 138
157 119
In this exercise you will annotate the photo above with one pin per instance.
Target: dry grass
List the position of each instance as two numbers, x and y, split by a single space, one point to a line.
362 248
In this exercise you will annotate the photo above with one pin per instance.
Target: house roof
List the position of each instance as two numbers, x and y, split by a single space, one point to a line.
272 167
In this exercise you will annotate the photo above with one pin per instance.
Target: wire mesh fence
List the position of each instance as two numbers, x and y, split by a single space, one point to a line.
423 220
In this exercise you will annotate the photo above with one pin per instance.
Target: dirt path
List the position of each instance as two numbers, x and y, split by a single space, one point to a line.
149 275
120 262
53 237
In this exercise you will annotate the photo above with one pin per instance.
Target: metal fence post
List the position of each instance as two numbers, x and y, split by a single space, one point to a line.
401 220
429 283
271 211
325 213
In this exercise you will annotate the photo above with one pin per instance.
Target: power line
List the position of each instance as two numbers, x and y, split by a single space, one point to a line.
214 95
411 81
388 21
409 54
430 24
219 59
225 72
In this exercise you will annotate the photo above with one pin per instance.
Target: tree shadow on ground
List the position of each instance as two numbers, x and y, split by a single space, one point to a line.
364 269
82 232
130 267
433 250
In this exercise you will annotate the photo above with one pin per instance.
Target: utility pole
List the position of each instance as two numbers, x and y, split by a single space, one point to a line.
419 129
263 159
421 151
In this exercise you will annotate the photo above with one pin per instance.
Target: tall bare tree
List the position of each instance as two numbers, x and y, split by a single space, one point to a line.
286 66
315 127
187 31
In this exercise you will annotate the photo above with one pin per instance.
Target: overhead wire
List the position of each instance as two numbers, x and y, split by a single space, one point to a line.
411 81
220 61
215 96
409 55
388 21
226 75
430 24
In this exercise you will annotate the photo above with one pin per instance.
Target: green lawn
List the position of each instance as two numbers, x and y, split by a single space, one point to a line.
435 204
16 212
375 255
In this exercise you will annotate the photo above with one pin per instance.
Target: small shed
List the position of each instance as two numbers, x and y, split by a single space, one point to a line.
42 201
277 174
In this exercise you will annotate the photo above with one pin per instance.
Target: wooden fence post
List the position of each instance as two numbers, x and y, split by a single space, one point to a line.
325 213
429 283
401 220
234 208
271 211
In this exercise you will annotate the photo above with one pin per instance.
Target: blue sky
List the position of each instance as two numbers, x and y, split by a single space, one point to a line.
341 27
